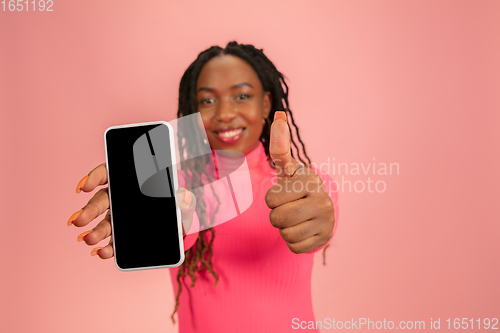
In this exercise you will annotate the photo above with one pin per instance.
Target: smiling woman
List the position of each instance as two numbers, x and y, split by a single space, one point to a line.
232 103
237 91
260 264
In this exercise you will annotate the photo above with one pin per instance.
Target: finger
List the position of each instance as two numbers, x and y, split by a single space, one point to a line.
97 205
293 213
105 252
98 176
187 205
100 232
300 231
306 245
279 147
277 195
303 184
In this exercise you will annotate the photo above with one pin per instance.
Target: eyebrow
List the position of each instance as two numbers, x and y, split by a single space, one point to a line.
233 87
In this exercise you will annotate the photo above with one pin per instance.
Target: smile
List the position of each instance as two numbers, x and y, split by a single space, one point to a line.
229 136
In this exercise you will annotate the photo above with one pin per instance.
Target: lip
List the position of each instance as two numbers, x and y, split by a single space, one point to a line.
231 139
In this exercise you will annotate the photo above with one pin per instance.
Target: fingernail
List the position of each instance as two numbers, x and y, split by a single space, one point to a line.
188 198
94 251
74 217
82 235
81 184
280 115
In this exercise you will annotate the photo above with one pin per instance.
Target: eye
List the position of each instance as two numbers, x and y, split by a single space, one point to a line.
243 96
206 101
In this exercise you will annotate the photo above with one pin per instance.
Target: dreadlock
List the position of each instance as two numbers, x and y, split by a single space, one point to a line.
199 256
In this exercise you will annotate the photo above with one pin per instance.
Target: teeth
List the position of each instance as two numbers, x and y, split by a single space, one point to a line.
229 134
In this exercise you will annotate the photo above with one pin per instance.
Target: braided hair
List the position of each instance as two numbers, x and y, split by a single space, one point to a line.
199 256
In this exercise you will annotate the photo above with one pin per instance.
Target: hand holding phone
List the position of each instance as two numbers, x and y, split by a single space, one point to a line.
99 204
143 231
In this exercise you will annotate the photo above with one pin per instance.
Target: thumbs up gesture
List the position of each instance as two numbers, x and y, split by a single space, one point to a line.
300 207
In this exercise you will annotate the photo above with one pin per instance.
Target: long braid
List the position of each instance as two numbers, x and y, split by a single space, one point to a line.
200 256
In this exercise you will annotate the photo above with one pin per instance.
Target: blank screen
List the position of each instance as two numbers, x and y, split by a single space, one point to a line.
145 228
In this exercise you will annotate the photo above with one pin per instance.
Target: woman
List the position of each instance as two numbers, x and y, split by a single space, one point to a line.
255 275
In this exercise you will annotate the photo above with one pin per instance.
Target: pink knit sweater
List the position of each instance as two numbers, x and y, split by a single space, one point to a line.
262 285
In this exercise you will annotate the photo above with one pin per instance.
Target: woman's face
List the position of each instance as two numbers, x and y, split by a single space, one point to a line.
232 103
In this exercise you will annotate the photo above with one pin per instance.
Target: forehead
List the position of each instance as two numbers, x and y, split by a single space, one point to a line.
225 71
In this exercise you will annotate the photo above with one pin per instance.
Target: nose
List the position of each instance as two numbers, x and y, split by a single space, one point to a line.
225 111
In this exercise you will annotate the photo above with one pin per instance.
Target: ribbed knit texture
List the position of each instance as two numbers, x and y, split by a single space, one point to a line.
262 285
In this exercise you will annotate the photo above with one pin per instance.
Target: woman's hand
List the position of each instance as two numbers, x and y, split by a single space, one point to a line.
99 204
301 208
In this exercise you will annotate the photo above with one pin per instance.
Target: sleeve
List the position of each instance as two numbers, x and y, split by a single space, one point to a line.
191 238
331 188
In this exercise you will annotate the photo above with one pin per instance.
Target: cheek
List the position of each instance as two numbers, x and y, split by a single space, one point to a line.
207 121
256 120
254 114
256 126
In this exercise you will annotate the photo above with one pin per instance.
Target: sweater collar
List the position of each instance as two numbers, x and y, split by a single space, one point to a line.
257 157
256 161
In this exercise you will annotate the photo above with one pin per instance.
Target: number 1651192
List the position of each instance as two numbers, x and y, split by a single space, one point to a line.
27 5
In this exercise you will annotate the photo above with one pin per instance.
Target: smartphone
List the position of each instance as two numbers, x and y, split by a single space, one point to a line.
142 182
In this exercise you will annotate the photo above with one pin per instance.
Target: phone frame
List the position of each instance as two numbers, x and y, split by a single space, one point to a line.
175 188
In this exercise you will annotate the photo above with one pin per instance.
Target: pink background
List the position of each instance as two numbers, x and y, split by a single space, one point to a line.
408 82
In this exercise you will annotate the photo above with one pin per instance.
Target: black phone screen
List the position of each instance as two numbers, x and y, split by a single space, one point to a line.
145 228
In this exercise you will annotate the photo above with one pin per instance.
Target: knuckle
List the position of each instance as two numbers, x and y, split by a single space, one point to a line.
101 169
100 200
286 234
312 177
300 172
95 208
299 210
326 238
267 199
102 253
106 225
270 200
294 248
90 207
312 184
103 192
274 218
303 232
279 219
328 204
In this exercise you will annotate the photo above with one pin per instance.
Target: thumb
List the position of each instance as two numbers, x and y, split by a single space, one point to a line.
187 204
279 147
